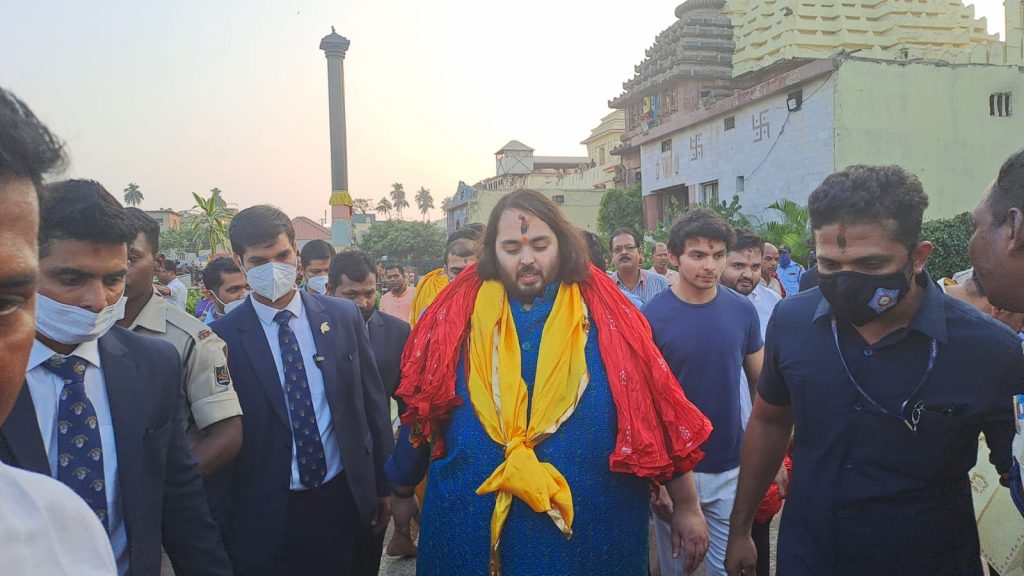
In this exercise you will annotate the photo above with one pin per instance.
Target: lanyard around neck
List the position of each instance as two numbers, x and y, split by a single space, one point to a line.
915 416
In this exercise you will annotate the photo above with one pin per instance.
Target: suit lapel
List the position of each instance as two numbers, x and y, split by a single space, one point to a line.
123 395
254 341
325 335
21 429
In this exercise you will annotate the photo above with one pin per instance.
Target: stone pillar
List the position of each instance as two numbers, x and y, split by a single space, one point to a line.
334 46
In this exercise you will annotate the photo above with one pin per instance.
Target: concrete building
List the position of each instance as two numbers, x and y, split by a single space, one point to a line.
335 46
803 104
361 224
168 219
575 183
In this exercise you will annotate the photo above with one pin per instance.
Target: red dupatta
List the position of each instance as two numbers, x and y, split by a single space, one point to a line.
659 430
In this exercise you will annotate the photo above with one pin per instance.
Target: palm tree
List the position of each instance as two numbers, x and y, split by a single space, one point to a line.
209 221
445 203
790 229
362 206
398 200
384 207
133 195
424 201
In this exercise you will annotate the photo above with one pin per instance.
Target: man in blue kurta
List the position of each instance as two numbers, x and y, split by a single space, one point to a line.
542 463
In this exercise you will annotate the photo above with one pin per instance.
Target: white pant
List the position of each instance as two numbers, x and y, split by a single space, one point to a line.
717 494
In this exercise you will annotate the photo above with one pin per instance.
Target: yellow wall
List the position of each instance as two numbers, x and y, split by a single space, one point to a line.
932 118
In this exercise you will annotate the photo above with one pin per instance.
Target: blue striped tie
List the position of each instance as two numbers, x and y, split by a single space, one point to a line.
309 450
79 448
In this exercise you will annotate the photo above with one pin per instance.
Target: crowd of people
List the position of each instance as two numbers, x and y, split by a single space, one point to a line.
519 410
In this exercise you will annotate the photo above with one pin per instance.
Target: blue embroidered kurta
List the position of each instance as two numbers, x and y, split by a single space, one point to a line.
610 527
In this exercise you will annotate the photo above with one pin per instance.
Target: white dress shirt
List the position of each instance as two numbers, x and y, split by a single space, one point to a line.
45 387
179 294
324 420
765 300
46 528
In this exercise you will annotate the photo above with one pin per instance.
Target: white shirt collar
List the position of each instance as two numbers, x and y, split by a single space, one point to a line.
88 351
266 313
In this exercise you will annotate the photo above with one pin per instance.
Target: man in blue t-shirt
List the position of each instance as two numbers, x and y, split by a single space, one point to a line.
707 335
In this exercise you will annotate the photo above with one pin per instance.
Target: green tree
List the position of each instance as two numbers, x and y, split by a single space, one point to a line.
176 239
398 200
133 195
950 237
791 228
401 240
208 221
384 208
362 206
620 208
424 201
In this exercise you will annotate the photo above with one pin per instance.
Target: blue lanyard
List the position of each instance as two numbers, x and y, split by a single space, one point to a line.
915 415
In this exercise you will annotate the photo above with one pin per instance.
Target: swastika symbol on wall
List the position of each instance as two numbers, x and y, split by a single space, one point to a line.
696 147
760 125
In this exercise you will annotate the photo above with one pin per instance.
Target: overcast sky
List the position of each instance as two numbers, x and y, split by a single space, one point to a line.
189 95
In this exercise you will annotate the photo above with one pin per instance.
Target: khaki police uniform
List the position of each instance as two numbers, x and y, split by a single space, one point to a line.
208 390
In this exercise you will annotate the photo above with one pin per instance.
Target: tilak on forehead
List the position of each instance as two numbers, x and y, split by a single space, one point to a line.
841 237
524 223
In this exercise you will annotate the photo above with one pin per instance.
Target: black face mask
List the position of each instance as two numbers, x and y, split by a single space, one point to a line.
860 298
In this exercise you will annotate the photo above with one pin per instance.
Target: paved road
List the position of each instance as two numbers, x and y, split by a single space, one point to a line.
407 566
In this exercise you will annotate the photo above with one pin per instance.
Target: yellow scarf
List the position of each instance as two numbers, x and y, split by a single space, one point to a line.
430 286
500 400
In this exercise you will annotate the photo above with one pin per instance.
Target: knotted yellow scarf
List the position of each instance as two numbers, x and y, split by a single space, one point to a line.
501 401
430 286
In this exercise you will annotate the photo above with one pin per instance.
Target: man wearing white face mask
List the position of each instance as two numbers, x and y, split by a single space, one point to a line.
315 257
105 425
225 285
309 478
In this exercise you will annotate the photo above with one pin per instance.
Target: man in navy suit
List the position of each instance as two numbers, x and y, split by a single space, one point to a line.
101 406
316 429
353 276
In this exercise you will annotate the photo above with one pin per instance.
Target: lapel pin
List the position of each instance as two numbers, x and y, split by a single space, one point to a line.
325 328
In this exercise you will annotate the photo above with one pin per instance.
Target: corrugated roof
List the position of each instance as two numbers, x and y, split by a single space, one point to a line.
306 229
514 145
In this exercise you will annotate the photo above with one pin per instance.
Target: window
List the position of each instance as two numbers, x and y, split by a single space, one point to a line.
999 105
558 199
708 193
600 156
730 122
740 183
666 145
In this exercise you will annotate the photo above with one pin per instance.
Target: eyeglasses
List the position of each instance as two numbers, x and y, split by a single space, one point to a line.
621 249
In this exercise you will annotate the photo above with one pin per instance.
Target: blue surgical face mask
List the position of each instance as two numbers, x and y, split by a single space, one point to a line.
785 260
318 284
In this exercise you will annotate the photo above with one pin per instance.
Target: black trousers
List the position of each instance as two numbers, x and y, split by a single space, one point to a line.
320 531
367 553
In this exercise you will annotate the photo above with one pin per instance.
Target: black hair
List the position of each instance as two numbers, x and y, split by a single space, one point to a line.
860 194
81 210
259 226
620 232
142 223
356 265
698 223
394 266
595 248
745 239
473 231
27 148
1008 190
316 250
461 247
213 274
170 265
